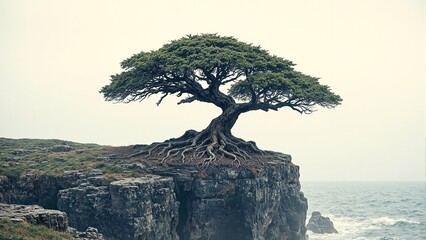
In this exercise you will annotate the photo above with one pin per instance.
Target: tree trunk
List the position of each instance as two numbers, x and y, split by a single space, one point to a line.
224 122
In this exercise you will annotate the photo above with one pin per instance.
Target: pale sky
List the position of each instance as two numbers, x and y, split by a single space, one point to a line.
56 55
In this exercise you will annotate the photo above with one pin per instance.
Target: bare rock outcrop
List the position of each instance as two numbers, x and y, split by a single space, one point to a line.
132 208
39 189
34 214
320 224
239 203
91 233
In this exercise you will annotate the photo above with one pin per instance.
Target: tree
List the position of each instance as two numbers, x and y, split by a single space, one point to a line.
196 68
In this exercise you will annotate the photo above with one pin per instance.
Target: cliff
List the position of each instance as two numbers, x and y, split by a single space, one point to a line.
173 201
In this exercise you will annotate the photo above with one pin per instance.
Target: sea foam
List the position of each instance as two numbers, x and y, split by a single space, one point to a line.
369 210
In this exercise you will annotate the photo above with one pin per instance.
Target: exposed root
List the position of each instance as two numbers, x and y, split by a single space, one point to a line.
203 148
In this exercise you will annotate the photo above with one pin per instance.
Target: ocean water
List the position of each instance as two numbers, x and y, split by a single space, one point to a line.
369 210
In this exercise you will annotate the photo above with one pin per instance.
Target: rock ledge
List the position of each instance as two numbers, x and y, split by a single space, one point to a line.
34 214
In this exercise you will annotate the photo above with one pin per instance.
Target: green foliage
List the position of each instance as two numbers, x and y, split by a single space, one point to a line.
288 88
193 57
197 65
24 231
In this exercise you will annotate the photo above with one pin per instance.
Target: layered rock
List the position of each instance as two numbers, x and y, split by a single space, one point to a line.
34 214
37 189
87 205
228 203
132 208
53 219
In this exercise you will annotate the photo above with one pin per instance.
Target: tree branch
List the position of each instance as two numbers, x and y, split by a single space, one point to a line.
161 99
187 100
253 95
238 75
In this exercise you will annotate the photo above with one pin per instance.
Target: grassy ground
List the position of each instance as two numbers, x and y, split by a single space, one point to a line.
25 231
54 157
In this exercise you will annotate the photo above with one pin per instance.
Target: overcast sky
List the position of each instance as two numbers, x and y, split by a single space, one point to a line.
56 55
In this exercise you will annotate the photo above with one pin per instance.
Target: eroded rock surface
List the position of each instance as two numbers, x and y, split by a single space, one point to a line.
229 203
37 189
132 208
34 214
320 224
91 233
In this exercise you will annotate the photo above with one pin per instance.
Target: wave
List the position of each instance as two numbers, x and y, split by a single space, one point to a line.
387 221
359 228
370 211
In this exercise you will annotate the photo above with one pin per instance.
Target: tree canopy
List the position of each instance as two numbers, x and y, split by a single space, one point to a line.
195 68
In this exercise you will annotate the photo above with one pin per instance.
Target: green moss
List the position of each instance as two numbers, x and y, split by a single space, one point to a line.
18 156
41 143
111 179
24 231
11 171
113 168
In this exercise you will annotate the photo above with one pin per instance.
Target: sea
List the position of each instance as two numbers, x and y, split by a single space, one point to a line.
369 210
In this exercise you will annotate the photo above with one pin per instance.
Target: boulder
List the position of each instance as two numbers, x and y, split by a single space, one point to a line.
320 224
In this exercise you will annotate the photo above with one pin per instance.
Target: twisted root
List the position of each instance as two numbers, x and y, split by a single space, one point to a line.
202 147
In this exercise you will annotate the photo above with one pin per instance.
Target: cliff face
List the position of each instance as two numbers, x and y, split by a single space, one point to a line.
132 208
227 203
176 202
39 189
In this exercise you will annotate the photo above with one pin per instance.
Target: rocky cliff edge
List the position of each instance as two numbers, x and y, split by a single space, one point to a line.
175 201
